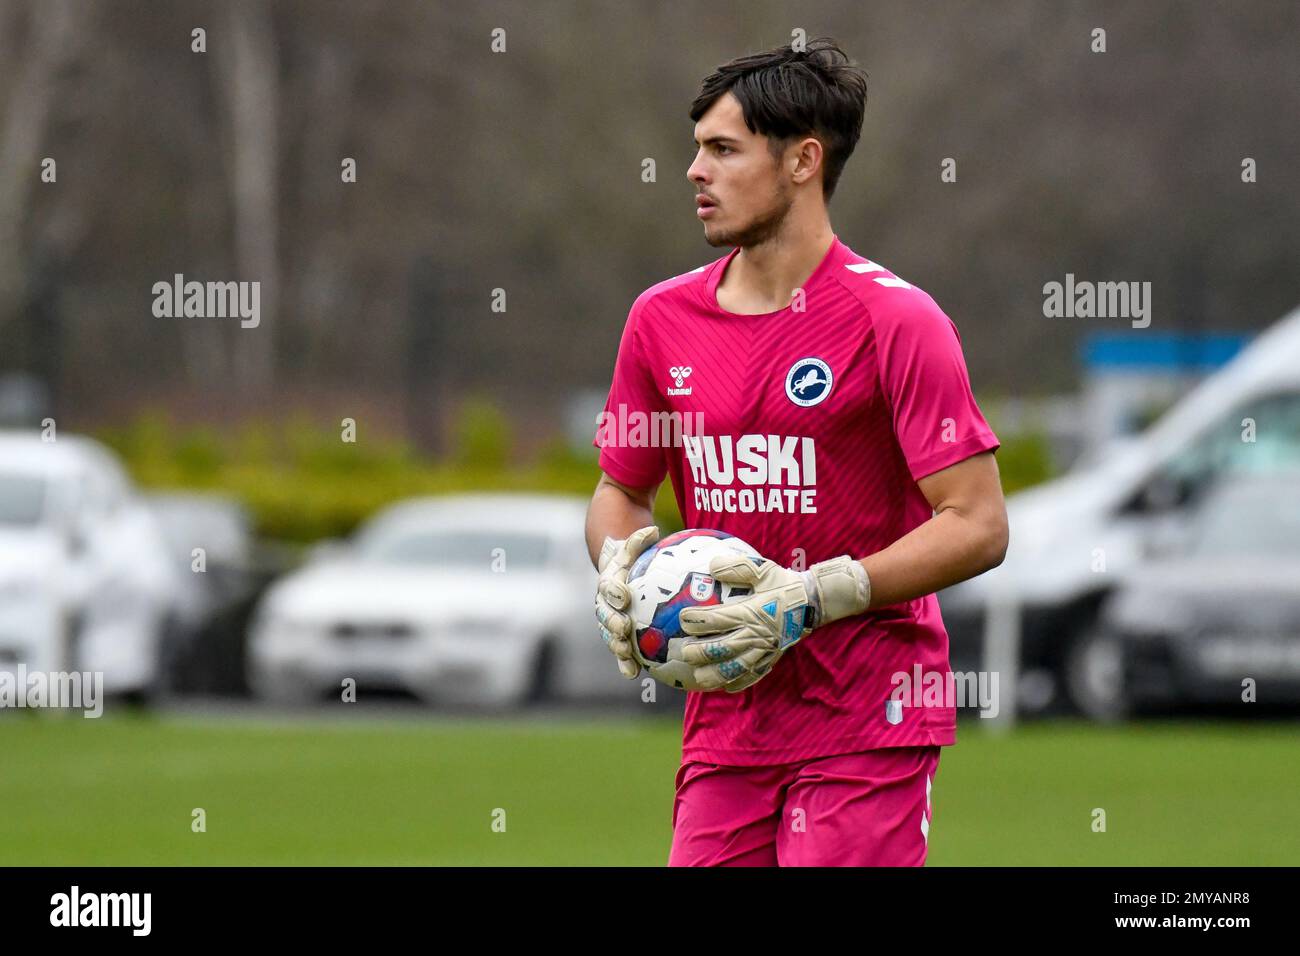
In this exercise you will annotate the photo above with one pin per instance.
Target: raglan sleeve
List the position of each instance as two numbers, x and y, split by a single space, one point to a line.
632 395
925 381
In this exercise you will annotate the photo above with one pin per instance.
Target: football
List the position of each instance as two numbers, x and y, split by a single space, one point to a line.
668 577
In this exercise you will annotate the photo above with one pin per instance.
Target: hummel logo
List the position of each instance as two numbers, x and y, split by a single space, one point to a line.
679 373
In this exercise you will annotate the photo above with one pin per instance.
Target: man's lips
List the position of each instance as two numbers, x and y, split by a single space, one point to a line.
703 201
704 206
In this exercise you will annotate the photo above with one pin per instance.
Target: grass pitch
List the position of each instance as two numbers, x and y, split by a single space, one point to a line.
598 791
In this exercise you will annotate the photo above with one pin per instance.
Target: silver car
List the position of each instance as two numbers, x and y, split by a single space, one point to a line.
475 599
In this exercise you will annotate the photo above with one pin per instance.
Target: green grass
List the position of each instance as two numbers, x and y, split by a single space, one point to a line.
120 791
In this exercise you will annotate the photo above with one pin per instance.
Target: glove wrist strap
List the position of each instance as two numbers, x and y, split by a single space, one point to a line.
607 549
837 589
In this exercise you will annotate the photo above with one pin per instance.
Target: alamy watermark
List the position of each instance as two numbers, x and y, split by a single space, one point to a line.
637 429
211 300
1098 300
129 910
944 689
54 690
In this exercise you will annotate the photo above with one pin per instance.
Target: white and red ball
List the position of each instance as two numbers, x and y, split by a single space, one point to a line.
668 578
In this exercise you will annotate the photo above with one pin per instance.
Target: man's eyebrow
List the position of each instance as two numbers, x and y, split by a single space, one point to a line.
716 139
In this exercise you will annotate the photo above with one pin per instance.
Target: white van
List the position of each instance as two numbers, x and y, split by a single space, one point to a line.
1073 537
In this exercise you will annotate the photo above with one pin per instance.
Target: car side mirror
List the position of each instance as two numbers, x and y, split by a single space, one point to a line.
1165 493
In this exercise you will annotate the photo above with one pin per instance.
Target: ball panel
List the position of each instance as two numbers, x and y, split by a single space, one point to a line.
671 576
698 590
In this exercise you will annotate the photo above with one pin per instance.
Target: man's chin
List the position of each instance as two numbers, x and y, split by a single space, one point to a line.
717 237
752 233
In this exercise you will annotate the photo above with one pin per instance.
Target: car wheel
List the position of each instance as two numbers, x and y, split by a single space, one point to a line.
542 687
1095 675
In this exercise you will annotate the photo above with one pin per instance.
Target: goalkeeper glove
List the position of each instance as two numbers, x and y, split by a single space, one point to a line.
786 605
614 600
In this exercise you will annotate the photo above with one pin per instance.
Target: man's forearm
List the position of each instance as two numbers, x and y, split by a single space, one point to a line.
949 548
613 513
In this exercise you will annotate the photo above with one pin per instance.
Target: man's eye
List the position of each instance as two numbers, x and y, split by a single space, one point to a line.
724 149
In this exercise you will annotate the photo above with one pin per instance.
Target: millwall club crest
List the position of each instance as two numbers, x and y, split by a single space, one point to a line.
808 382
701 586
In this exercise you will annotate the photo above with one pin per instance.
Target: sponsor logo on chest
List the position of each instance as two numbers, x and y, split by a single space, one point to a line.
776 472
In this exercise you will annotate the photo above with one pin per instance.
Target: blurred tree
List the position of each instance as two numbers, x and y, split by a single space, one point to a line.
55 35
522 170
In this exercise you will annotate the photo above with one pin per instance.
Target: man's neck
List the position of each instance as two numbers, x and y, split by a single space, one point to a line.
763 278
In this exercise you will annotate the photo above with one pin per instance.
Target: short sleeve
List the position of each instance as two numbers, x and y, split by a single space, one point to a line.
924 378
632 396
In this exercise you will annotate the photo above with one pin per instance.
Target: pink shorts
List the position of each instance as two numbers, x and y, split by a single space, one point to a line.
863 809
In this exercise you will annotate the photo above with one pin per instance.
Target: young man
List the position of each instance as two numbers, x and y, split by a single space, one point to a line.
840 438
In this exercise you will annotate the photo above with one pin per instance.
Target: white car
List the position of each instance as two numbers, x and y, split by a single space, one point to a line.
1073 539
474 599
85 582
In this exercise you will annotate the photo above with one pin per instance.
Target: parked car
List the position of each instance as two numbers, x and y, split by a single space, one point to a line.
1217 603
474 599
1075 538
85 583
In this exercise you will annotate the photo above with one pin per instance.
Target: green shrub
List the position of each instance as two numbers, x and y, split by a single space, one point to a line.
1023 461
482 438
302 482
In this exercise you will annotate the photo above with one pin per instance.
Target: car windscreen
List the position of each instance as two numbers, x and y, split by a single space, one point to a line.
22 499
469 549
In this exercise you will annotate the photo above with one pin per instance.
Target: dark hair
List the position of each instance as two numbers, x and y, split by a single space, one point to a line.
785 94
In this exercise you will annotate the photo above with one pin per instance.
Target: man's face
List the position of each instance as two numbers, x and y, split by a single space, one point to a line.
734 168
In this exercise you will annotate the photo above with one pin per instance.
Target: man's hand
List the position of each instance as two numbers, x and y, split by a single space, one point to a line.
614 600
786 605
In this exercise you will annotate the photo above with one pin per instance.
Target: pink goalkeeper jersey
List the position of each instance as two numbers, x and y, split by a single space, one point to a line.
804 432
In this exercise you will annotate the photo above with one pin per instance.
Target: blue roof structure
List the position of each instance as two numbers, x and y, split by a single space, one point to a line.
1168 351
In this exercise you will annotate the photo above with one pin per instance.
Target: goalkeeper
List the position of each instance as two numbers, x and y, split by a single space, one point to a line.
841 439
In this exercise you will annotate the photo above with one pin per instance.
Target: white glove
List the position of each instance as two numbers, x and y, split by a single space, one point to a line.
613 597
786 605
